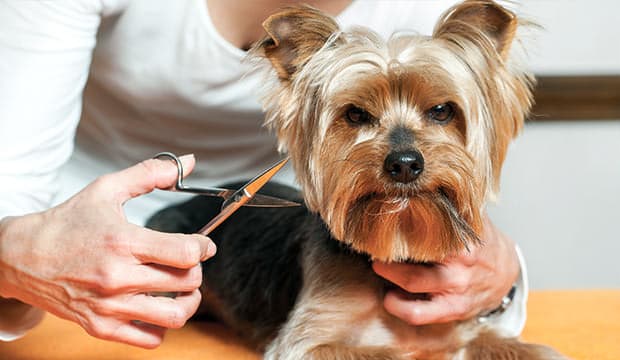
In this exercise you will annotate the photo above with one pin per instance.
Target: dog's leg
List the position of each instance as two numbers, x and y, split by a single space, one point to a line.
338 314
488 346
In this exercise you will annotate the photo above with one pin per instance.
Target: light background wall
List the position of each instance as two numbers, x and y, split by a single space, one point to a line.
560 197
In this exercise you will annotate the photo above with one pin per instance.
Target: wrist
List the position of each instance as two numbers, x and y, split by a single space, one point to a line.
5 224
12 250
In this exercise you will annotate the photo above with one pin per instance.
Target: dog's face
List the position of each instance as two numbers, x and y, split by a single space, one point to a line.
399 143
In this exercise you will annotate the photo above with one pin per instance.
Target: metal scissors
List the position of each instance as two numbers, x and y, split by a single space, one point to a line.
233 199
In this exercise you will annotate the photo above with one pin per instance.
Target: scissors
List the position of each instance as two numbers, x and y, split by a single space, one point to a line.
233 199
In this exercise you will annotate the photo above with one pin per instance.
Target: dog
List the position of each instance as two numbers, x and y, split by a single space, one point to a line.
397 145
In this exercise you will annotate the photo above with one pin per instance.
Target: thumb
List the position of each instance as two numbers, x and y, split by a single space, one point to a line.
151 174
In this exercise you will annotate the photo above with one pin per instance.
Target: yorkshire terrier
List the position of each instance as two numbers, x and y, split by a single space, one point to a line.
397 146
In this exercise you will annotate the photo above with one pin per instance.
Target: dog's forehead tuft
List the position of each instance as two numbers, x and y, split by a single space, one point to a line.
396 67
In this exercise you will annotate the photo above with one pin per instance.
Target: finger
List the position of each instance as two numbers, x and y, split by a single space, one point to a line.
181 251
421 278
159 278
143 335
439 309
150 174
166 312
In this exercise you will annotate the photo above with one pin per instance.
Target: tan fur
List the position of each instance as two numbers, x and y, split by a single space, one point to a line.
489 346
294 35
340 315
322 72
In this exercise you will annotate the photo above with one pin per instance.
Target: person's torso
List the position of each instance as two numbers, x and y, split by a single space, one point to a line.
163 79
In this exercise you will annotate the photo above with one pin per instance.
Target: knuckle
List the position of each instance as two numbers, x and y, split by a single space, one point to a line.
102 182
412 315
150 165
414 319
176 318
190 254
101 187
99 329
101 307
110 280
460 284
115 241
195 277
150 168
460 309
106 187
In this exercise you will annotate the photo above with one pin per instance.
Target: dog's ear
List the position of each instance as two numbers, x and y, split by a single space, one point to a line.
293 35
485 17
481 33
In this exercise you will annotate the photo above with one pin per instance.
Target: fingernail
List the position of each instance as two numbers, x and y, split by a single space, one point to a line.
186 157
211 249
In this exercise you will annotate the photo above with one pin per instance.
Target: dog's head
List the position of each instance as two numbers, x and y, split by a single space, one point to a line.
398 143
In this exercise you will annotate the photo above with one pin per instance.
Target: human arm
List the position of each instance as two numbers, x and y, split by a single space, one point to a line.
463 286
45 54
44 57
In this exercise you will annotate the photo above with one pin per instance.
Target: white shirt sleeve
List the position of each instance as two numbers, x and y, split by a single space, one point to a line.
45 54
17 318
511 322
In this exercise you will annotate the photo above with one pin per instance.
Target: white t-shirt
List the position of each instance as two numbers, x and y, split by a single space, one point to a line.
160 78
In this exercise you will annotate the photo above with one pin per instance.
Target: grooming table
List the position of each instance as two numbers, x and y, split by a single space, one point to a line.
582 324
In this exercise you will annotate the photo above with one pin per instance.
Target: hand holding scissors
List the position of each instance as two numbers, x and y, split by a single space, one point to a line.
83 261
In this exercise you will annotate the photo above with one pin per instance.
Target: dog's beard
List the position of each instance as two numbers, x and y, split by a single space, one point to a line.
426 221
426 227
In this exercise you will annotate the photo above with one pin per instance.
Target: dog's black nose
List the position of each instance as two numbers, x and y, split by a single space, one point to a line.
404 166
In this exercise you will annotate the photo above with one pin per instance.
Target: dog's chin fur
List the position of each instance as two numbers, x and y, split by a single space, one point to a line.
426 227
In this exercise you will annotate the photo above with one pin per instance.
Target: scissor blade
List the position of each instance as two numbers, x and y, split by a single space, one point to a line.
260 200
251 188
242 196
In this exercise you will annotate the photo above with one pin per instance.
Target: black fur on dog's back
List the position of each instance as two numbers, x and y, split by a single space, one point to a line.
256 274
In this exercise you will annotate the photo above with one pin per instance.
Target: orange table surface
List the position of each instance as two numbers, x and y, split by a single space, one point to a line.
583 324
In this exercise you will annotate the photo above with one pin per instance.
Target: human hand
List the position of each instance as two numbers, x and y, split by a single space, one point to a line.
84 262
459 288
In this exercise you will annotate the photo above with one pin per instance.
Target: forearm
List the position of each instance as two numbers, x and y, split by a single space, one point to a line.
45 49
16 317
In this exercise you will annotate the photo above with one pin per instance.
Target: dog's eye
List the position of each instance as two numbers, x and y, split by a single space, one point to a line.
442 113
358 116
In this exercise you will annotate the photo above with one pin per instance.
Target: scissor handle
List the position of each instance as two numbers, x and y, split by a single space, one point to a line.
179 183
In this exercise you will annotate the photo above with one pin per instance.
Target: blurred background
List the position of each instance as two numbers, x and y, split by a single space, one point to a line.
560 195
